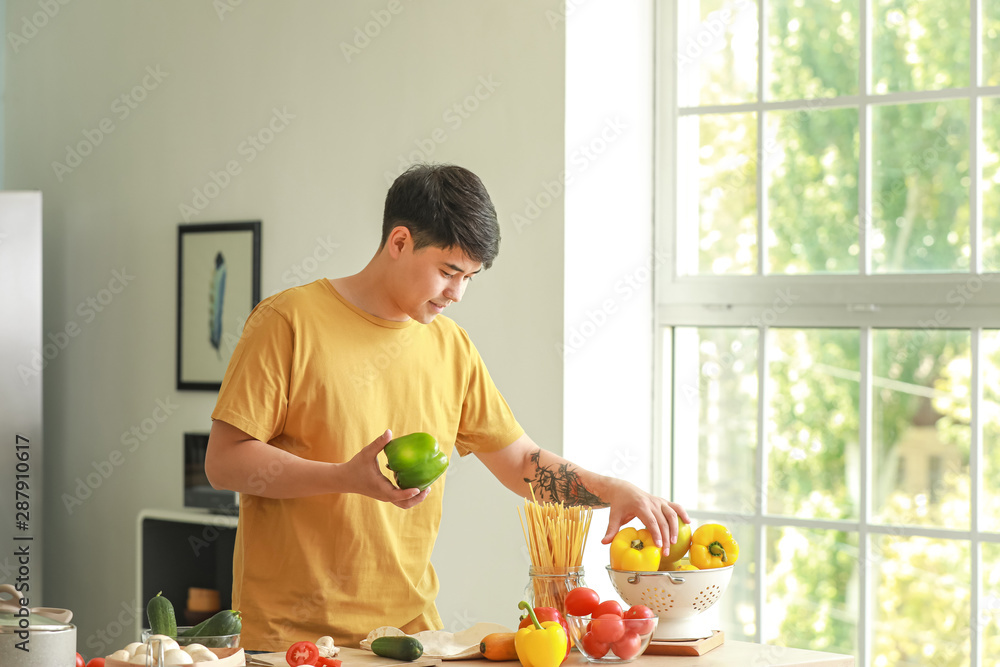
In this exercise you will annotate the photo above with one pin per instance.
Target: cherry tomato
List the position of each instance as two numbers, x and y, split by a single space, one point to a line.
581 601
96 662
301 653
592 647
607 607
80 662
640 611
628 646
608 628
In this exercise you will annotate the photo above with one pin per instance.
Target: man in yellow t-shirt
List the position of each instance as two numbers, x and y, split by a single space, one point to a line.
326 543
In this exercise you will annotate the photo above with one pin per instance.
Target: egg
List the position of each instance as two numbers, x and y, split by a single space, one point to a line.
203 655
176 656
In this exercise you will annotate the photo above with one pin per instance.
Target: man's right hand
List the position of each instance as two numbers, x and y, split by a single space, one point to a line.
238 462
362 472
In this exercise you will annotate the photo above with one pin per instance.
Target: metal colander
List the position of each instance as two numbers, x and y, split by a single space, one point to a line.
677 598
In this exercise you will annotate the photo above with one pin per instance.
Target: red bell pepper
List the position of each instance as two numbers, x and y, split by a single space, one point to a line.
548 614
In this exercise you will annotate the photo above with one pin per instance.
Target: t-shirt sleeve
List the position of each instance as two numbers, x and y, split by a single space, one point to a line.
487 422
254 392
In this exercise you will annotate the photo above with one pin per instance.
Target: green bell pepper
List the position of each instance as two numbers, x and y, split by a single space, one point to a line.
416 460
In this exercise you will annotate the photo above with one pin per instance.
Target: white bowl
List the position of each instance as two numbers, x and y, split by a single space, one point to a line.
678 598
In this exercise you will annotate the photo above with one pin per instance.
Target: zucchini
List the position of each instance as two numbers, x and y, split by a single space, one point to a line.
162 620
398 648
225 622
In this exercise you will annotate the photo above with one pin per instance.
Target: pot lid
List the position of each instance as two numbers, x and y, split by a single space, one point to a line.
39 618
35 621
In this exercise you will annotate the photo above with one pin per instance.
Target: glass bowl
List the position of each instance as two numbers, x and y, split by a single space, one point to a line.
219 641
630 637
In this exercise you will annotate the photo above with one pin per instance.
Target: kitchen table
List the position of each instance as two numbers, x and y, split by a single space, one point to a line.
730 654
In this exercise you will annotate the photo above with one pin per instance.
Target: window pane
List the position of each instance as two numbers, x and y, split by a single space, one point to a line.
723 237
716 52
989 512
991 42
811 172
715 417
737 611
991 183
920 189
812 423
920 427
921 601
919 45
812 589
989 614
813 49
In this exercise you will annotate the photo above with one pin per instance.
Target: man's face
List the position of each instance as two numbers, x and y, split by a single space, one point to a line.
431 279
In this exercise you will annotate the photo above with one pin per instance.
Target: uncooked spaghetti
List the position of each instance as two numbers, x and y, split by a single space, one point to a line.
556 536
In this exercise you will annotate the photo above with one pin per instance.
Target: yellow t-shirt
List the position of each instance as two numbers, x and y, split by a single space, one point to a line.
320 378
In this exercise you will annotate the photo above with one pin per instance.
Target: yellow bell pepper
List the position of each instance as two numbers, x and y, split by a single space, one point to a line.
712 545
634 550
677 566
540 644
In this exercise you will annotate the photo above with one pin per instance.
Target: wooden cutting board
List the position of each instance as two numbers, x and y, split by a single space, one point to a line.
352 657
693 647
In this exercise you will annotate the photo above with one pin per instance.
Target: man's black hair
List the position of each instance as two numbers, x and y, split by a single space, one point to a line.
445 206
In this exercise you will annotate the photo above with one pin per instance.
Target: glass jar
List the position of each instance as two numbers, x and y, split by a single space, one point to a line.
548 585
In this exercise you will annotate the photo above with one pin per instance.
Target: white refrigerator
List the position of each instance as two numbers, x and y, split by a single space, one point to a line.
22 356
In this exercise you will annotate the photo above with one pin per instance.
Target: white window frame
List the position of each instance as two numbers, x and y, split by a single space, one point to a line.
964 300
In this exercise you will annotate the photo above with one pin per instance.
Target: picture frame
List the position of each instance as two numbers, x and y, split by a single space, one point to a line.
218 284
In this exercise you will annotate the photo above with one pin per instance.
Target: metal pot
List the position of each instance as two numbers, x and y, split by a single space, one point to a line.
35 636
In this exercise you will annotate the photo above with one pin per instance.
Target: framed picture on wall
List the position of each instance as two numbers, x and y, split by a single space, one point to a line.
218 284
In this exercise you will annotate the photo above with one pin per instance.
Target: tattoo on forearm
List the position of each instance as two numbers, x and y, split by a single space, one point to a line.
561 484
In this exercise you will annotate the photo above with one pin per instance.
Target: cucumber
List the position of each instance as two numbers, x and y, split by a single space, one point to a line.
398 648
225 622
162 620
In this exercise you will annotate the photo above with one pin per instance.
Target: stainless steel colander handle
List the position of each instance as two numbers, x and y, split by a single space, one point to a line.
674 579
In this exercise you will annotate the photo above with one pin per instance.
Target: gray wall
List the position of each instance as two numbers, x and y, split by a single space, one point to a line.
197 83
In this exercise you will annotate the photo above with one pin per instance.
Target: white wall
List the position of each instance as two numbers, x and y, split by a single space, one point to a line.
207 81
608 346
